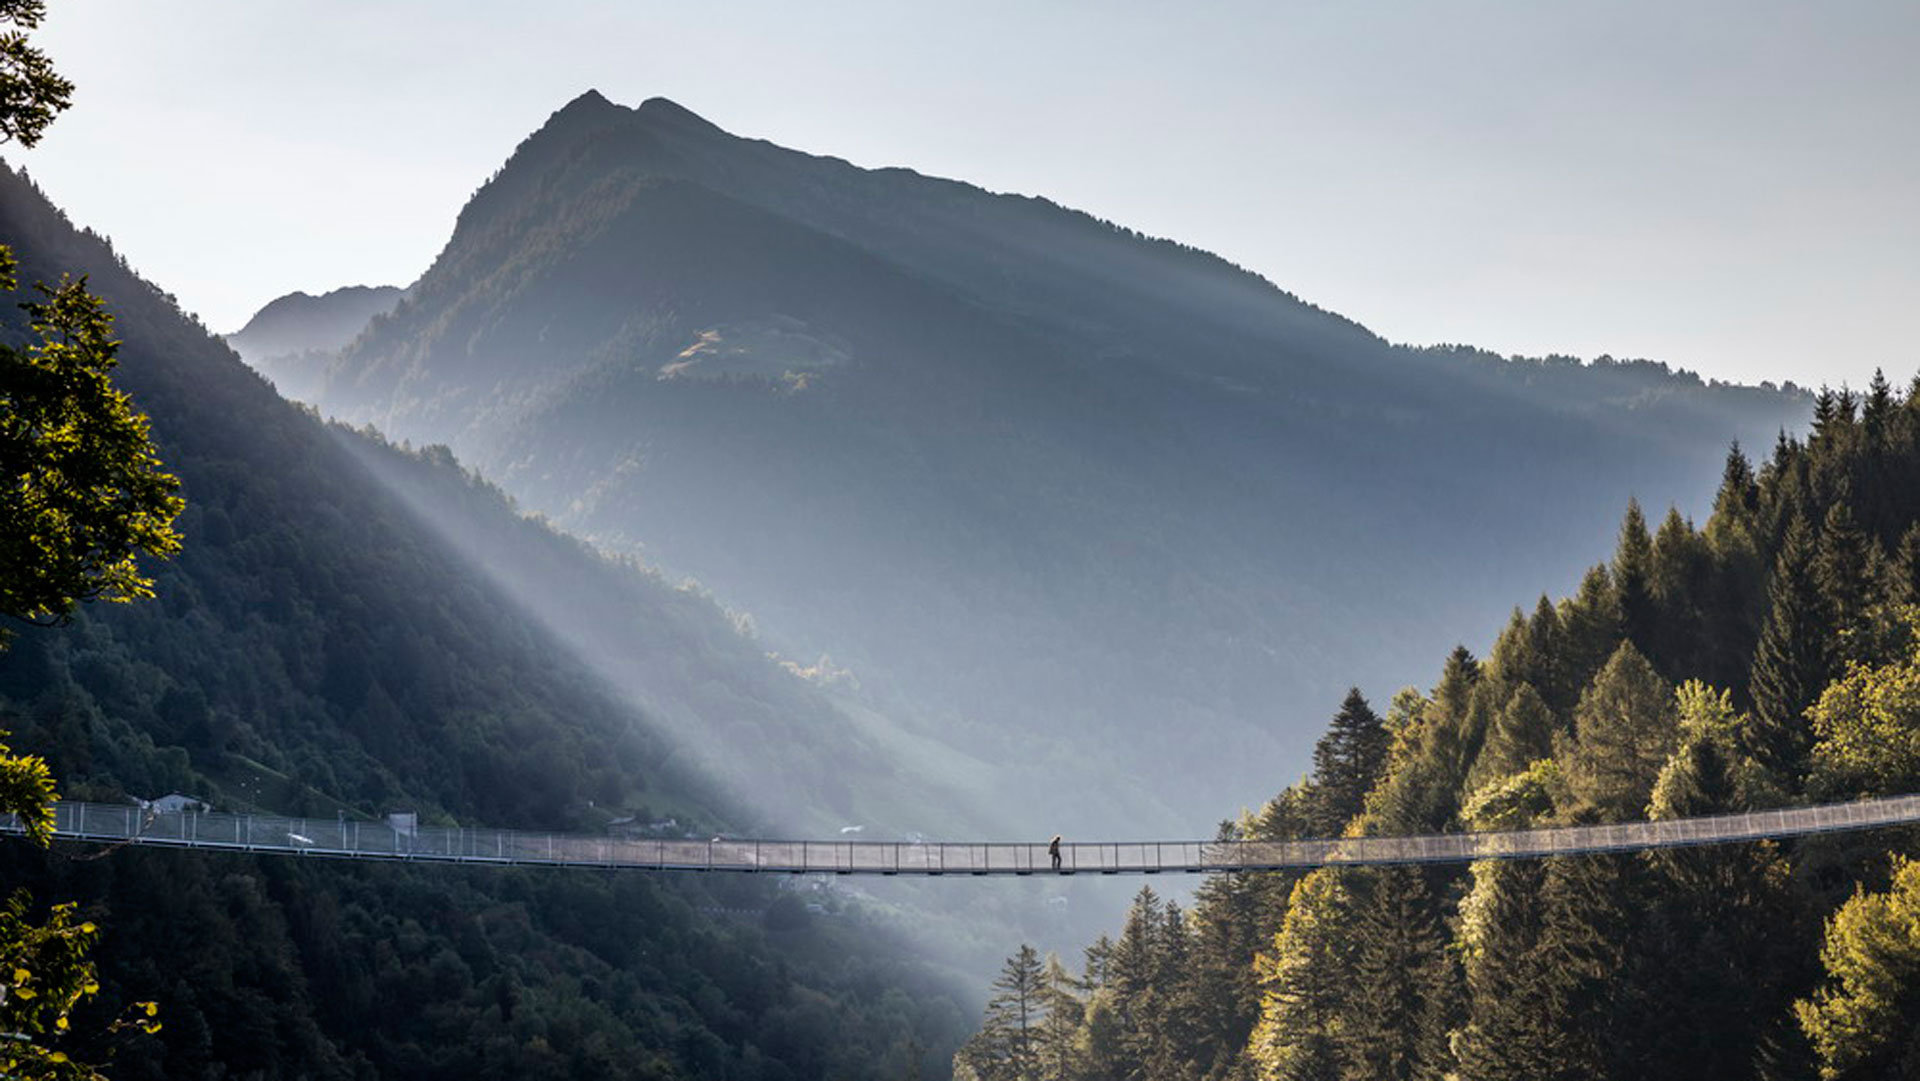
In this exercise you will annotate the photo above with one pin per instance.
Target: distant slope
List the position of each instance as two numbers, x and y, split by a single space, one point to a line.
320 648
1125 518
289 339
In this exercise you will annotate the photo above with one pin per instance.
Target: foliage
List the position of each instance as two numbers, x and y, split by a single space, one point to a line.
1867 725
31 92
1864 1021
84 488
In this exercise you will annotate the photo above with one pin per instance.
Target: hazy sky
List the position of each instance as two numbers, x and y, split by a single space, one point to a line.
1729 187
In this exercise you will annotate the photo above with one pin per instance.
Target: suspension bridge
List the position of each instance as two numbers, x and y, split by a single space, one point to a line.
131 824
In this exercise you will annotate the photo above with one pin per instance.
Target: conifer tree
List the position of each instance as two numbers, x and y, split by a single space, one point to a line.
1509 1033
1733 603
1304 984
1633 579
1682 584
1134 970
1057 1053
1624 728
1876 410
1004 1048
1902 570
1232 921
1715 910
1794 659
1591 629
1523 732
1547 642
1431 758
1844 570
1736 506
1405 993
1347 763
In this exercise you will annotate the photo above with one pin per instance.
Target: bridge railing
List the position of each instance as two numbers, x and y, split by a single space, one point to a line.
382 840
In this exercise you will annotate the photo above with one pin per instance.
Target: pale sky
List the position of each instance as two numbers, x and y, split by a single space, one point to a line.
1730 187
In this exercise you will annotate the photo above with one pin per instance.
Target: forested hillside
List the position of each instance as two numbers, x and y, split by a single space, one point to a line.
1769 658
1096 507
318 648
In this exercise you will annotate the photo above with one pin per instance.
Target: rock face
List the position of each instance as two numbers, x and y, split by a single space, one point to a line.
1122 520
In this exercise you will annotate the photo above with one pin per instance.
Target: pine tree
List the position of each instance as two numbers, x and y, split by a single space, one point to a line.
1877 410
1173 1026
1794 659
1734 602
1347 763
1547 642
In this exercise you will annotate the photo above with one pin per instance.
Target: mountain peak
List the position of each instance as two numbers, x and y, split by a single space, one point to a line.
662 111
591 100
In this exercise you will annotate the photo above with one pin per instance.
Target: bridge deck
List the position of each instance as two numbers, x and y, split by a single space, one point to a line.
130 824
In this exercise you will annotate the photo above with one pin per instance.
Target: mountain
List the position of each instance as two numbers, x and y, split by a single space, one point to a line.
326 645
1105 512
289 340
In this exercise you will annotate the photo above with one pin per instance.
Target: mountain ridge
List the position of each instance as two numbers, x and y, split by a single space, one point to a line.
1059 483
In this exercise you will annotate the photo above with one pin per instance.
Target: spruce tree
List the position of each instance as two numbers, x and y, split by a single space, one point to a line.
1510 1031
1712 911
1844 567
1406 991
1902 570
1004 1048
1304 985
1591 629
1633 579
1737 503
1682 582
1231 924
1547 641
1347 763
1056 1046
1522 733
1877 410
1794 659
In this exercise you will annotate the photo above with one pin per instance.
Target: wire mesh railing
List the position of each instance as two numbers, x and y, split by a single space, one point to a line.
356 839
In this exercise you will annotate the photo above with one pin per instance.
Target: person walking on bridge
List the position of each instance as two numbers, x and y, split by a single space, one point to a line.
1053 850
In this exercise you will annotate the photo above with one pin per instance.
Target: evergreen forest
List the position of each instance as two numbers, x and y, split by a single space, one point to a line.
1769 658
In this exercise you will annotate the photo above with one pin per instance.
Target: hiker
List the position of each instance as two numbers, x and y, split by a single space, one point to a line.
1053 849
